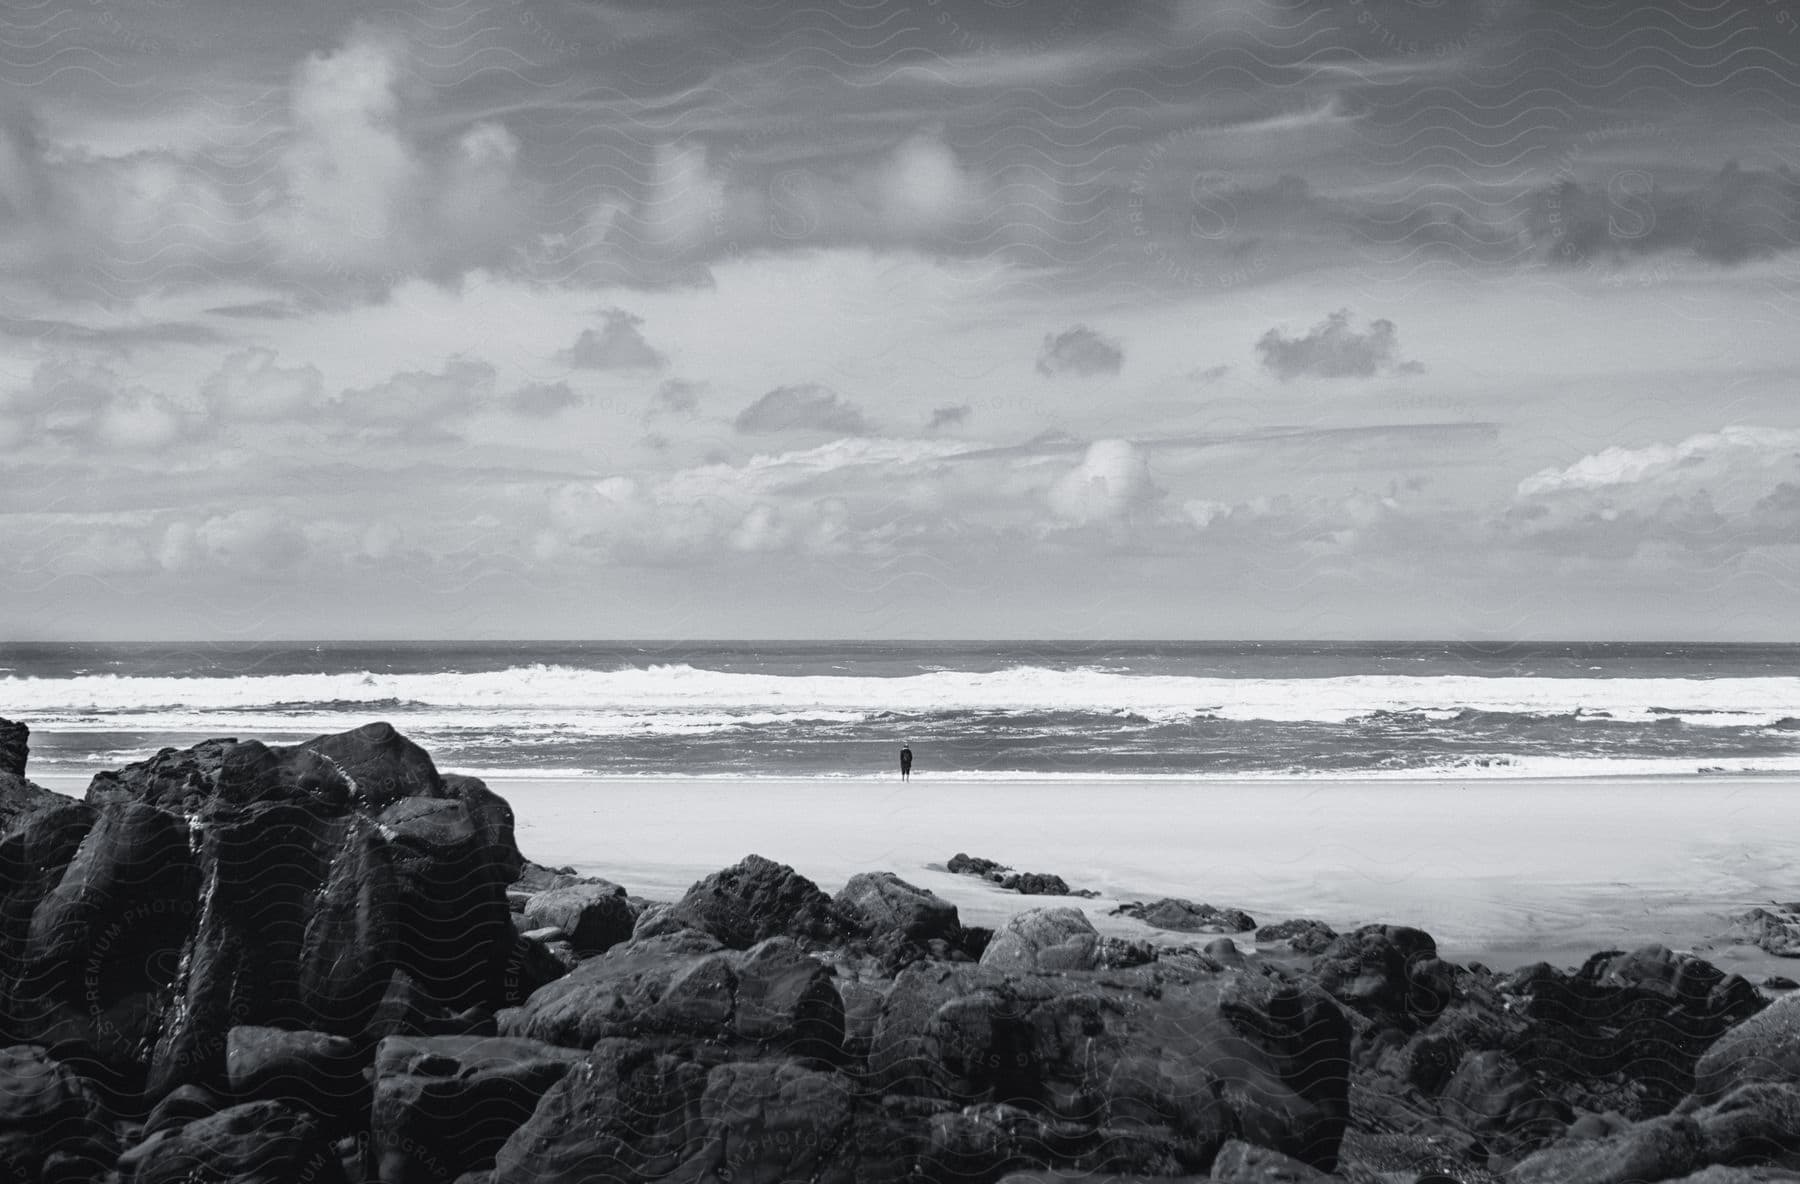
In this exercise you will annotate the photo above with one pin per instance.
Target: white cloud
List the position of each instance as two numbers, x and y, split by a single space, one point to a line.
251 385
80 403
1710 451
1110 485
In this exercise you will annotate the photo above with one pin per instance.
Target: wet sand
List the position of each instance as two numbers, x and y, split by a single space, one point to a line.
1505 872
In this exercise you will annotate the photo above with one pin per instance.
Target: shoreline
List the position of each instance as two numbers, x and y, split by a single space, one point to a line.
1503 871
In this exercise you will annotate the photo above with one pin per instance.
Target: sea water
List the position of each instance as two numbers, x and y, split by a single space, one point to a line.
969 710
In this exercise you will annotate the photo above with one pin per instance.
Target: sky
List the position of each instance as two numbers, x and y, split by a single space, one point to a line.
899 318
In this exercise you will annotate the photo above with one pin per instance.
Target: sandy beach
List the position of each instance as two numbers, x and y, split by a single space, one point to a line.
1505 872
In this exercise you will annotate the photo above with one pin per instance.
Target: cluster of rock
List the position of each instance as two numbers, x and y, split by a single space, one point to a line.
1774 930
1024 883
329 963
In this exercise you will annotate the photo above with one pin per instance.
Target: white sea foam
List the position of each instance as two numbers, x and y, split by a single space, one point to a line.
678 698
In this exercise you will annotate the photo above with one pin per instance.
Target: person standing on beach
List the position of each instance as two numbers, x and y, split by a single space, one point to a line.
905 764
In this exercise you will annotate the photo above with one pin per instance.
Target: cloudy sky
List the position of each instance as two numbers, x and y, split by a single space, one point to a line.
877 318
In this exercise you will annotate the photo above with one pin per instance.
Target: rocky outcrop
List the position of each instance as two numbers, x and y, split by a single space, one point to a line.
18 797
1184 916
1044 939
1764 1047
445 1105
1024 883
592 916
750 902
328 962
881 904
1176 1062
686 986
242 884
254 1142
1302 935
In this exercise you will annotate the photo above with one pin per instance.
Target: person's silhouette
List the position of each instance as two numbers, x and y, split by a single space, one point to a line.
906 764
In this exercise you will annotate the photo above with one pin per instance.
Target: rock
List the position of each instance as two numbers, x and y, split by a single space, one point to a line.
320 1072
535 877
243 884
1383 971
625 1112
1302 935
1765 1047
594 916
444 1105
19 797
1776 933
1044 939
45 1108
1626 1031
382 766
182 1106
1035 884
1660 1149
535 963
974 865
687 986
1187 1058
752 901
1239 1162
1491 1096
14 745
1184 916
881 903
255 1143
1754 1123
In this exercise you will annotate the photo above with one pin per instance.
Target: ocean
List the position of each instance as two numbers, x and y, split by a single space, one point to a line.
969 710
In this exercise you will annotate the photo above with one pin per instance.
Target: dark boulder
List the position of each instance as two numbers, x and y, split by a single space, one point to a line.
752 901
320 1072
1044 939
1035 884
1192 1057
974 865
14 747
1239 1162
243 884
444 1105
1645 1017
47 1110
626 1112
1184 916
256 1143
381 765
882 904
1658 1149
1303 935
686 986
19 797
595 916
1386 972
182 1106
1764 1047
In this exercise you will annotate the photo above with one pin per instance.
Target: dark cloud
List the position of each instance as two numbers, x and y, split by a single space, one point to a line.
947 417
809 408
260 310
676 396
540 400
1079 350
1209 374
1332 349
616 345
1738 215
